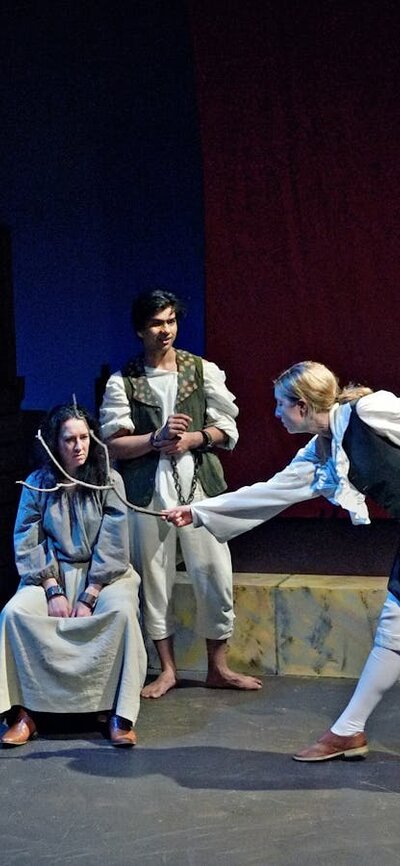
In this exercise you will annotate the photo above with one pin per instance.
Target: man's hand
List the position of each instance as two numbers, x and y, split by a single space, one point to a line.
182 443
174 426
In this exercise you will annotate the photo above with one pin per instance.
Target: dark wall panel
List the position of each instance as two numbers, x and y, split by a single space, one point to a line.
300 123
100 181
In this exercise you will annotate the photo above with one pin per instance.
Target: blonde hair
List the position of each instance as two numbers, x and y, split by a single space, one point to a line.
317 386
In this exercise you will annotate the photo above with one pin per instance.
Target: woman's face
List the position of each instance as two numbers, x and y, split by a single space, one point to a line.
73 444
293 415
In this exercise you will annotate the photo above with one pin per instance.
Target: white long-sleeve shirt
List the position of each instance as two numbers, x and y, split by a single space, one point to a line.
319 469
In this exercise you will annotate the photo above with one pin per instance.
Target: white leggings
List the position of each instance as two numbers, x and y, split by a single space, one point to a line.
380 673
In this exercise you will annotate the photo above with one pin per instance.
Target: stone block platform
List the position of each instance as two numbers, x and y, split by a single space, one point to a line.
288 624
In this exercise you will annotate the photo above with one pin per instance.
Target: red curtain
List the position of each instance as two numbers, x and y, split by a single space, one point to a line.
300 125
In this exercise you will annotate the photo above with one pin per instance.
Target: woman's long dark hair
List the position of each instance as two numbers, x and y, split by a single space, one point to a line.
94 470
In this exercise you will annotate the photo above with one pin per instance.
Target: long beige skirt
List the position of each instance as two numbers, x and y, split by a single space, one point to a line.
73 665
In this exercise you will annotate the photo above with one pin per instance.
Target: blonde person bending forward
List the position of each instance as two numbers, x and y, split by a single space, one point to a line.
354 451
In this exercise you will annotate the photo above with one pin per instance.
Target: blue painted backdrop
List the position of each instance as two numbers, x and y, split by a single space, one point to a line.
100 181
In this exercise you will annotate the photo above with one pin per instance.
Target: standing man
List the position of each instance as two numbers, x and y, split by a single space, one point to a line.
162 417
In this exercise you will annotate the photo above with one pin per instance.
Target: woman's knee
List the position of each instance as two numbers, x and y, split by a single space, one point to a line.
28 599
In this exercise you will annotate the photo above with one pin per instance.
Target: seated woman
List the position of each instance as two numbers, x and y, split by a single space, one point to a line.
70 640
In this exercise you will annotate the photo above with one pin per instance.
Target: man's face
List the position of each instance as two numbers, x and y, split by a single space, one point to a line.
160 331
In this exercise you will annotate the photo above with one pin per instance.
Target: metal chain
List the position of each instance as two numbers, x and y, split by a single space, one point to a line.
177 483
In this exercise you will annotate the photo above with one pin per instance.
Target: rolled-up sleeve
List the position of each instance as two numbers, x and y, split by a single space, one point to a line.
381 411
221 407
115 412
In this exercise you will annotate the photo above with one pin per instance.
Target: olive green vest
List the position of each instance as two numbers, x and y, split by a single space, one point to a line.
146 412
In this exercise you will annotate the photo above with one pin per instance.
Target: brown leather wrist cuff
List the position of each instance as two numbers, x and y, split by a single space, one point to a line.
88 599
208 443
54 591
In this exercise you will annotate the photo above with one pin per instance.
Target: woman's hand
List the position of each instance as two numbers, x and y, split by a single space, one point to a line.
81 609
92 593
59 606
181 516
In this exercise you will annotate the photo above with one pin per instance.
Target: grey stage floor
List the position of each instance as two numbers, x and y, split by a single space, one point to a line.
212 783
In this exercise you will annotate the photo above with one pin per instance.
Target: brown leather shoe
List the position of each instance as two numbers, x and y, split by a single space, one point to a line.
21 731
334 746
121 732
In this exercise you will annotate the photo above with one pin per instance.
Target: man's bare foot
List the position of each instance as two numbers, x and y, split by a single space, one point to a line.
227 679
166 681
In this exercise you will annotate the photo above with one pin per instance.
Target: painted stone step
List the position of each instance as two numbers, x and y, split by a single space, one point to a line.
287 624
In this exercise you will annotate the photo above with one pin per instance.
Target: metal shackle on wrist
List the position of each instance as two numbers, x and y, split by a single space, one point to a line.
54 591
88 599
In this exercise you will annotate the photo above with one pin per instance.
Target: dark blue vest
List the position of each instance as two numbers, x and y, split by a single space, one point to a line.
375 472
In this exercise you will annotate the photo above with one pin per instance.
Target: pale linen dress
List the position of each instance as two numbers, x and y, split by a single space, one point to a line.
72 665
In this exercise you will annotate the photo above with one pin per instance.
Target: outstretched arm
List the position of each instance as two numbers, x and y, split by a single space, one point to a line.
231 514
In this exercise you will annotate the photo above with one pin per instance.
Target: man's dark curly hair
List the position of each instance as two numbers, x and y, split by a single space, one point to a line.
94 470
148 303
